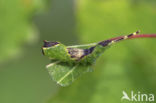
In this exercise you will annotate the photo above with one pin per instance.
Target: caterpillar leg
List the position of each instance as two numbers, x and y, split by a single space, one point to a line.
109 42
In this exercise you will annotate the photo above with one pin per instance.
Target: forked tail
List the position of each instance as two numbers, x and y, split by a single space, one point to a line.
130 36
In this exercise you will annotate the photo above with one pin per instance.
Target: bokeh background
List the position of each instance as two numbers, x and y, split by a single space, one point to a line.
129 65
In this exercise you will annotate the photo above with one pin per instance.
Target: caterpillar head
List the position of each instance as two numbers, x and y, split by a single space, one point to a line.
55 50
49 43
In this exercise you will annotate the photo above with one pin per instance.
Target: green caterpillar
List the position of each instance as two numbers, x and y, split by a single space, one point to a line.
69 62
83 55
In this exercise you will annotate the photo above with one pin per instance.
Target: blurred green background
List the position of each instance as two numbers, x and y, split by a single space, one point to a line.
129 65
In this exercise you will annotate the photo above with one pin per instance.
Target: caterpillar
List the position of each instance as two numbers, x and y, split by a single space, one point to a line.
84 54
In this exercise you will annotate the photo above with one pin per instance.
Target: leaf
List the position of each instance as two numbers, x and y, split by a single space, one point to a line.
64 74
64 68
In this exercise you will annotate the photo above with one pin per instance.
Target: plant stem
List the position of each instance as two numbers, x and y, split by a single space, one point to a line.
137 36
84 45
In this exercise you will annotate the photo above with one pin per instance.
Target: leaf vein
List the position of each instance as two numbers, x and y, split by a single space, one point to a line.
67 74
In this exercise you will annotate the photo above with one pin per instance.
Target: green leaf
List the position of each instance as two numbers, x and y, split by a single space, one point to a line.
64 74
